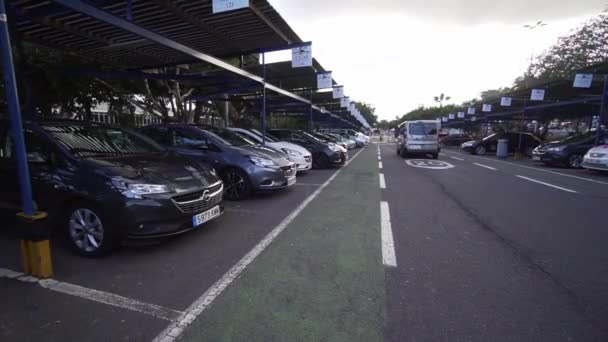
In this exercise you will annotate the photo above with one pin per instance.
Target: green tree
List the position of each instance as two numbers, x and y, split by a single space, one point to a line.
441 99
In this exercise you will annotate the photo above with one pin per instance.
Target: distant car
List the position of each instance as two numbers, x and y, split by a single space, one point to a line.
297 153
454 140
568 152
350 144
330 138
490 143
324 154
244 167
596 158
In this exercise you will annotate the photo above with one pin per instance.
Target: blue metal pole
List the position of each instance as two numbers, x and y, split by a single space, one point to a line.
312 125
521 129
264 100
602 111
12 97
130 10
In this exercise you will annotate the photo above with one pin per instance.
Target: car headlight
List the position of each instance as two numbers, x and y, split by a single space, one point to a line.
291 152
134 190
262 162
556 149
334 147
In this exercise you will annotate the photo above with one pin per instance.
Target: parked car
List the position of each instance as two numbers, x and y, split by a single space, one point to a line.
490 143
360 139
297 153
101 184
324 154
596 158
350 144
568 152
330 139
454 140
244 167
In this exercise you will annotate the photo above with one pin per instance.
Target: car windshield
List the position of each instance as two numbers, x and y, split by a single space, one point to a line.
310 136
578 138
421 128
490 137
269 137
227 136
94 141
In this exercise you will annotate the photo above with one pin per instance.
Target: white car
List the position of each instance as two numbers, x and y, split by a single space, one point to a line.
296 153
596 158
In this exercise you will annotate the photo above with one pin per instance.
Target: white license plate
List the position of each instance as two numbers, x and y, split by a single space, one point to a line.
291 181
203 217
536 158
415 147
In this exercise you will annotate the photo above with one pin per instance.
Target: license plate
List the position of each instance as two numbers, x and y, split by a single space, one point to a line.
203 217
415 147
291 181
536 158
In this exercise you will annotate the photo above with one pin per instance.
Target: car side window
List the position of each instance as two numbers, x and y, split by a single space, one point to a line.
158 134
297 138
187 138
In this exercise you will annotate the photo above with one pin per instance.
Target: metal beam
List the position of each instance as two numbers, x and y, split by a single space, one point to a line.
269 23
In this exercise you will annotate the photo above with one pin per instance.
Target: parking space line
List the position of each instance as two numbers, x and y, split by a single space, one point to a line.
380 165
457 158
547 184
486 166
96 295
388 245
382 182
175 329
308 184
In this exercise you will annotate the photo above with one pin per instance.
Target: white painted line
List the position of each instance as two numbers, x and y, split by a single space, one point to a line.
388 245
457 158
547 184
380 165
308 184
96 296
382 182
486 166
175 329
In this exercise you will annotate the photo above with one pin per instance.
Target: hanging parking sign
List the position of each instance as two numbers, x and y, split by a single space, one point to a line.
444 119
451 116
229 5
471 110
301 56
338 92
461 115
537 95
583 80
486 108
324 80
345 102
506 101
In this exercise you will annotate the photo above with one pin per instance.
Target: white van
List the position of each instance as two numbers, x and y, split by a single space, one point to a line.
419 137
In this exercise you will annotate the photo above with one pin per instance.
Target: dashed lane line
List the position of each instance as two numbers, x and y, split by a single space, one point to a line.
389 258
486 166
175 329
547 184
380 165
382 182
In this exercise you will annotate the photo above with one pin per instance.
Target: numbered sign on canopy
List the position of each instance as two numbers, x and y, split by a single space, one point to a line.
345 102
583 80
229 5
486 108
301 56
471 110
451 116
338 92
506 101
537 95
352 107
444 119
324 80
461 115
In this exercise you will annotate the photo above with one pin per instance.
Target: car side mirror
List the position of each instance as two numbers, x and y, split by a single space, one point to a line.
36 158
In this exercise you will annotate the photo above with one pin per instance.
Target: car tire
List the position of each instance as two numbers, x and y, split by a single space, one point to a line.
237 185
88 230
479 150
528 151
575 161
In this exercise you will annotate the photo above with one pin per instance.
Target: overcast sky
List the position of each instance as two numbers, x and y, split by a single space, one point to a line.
397 55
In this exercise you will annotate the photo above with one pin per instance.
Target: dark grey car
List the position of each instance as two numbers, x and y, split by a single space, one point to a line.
243 166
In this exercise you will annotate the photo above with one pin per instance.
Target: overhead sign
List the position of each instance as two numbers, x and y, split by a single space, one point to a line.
301 56
486 108
583 80
451 116
506 101
444 119
324 80
229 5
537 95
471 110
338 92
345 102
461 115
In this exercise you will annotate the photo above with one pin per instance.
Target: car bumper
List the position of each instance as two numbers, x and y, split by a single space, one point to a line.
303 163
338 158
422 149
272 178
552 158
600 165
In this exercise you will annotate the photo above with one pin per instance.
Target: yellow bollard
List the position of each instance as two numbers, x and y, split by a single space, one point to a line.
35 246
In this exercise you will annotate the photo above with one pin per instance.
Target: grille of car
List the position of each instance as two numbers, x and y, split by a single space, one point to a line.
598 155
289 171
195 202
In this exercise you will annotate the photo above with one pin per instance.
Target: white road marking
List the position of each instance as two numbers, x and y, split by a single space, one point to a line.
382 182
308 184
457 158
547 184
388 245
96 295
486 166
380 165
175 329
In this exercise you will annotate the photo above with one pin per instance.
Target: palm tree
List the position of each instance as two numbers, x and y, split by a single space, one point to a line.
441 98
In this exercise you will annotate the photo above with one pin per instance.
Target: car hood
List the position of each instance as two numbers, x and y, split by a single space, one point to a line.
602 149
177 173
283 144
471 142
264 152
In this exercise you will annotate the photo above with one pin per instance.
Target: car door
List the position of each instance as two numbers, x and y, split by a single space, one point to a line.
189 142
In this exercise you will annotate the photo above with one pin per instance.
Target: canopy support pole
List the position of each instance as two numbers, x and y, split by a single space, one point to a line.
598 131
312 125
264 99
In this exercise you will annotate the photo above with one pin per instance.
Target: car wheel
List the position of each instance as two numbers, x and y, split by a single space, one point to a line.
528 151
237 186
480 150
575 161
87 231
